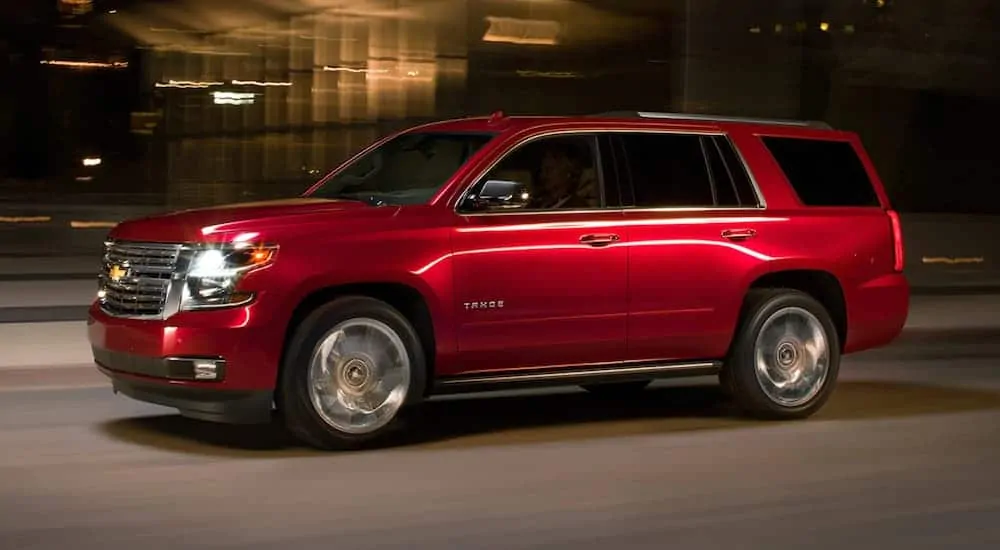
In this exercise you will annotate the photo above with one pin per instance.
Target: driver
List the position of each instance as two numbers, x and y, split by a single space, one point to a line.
560 182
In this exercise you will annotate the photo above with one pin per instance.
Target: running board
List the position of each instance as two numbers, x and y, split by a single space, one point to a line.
572 376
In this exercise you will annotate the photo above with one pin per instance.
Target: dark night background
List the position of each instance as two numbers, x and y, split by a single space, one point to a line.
917 79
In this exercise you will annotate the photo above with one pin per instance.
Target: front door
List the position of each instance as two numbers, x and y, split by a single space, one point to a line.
540 273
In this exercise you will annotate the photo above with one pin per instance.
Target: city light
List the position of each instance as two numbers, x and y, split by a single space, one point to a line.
187 84
532 32
76 7
259 83
85 64
328 68
233 98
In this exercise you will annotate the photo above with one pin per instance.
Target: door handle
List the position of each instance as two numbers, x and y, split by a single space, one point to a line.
739 234
599 239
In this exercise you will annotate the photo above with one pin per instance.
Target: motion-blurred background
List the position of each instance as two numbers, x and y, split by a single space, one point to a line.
115 108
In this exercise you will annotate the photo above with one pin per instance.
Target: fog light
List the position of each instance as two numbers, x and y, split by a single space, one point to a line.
206 370
196 368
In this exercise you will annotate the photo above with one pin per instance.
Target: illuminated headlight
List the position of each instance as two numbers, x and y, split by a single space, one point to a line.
214 274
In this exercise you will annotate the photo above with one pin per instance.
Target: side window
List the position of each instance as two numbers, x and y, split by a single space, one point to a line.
610 173
823 173
729 176
622 173
553 173
667 170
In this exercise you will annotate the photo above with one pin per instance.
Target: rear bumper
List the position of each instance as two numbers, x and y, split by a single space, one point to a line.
877 312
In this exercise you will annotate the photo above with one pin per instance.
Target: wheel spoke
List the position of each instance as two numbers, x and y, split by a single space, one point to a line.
359 375
791 362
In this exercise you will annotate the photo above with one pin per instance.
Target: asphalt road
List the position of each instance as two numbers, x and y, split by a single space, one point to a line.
905 455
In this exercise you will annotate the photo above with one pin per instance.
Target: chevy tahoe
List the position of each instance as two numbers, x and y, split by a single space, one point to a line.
495 252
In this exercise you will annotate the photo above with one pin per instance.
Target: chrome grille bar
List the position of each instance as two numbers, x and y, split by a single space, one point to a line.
136 278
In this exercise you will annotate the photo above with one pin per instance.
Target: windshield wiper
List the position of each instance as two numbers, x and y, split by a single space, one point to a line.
370 200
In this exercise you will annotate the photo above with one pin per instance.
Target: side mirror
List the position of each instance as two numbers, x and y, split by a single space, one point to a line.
500 194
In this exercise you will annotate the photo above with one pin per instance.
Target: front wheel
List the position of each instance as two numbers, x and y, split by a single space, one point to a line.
351 367
785 360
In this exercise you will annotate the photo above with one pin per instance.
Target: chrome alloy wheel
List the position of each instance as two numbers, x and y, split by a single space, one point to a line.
359 375
791 357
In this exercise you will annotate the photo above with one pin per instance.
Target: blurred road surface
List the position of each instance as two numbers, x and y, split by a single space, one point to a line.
905 455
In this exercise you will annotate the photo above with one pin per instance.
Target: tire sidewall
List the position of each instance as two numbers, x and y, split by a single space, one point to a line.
742 377
301 415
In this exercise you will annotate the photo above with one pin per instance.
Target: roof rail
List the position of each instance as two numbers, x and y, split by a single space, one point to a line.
718 118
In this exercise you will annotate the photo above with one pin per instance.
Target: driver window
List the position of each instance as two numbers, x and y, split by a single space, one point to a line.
556 173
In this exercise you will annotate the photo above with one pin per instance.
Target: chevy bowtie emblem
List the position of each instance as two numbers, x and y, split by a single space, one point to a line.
117 273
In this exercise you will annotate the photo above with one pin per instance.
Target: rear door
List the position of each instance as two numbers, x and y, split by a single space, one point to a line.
695 222
542 282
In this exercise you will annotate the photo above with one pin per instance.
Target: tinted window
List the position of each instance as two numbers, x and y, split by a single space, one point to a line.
823 173
408 169
609 171
618 158
667 170
555 173
732 183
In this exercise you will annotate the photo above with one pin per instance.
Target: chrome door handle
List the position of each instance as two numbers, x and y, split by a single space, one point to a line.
600 239
739 234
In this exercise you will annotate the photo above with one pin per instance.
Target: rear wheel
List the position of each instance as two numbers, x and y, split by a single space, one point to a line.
785 360
352 367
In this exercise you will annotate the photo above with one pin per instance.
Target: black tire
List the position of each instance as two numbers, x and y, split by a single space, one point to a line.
617 389
739 377
298 412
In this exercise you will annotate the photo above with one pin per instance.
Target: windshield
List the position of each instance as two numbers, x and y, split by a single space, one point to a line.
407 169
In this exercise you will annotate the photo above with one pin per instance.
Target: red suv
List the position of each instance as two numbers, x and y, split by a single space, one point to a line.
488 253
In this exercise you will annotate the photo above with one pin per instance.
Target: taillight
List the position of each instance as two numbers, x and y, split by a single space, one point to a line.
897 241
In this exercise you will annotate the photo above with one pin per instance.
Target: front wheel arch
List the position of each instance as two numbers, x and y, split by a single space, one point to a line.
296 390
409 301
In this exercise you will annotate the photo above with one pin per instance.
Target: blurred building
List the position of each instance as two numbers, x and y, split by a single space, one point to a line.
235 100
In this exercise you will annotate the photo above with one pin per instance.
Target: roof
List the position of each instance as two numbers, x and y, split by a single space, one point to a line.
499 122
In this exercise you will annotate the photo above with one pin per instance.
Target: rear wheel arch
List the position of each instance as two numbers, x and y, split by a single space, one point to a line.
777 370
820 284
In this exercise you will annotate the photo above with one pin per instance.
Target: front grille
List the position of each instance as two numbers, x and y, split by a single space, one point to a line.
135 281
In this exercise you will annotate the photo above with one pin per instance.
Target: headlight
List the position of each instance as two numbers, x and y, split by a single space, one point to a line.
214 273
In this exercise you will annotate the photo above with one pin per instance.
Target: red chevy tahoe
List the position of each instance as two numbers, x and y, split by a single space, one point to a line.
487 253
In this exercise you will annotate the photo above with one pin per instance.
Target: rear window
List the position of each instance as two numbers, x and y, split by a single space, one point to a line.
823 173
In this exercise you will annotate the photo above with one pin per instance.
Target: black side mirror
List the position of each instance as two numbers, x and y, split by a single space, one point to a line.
498 194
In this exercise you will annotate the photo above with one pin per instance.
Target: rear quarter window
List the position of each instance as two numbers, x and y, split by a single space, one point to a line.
823 172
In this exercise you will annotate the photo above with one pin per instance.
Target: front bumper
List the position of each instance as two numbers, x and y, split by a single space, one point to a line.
211 404
165 361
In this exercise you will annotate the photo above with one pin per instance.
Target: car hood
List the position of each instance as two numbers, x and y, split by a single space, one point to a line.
219 222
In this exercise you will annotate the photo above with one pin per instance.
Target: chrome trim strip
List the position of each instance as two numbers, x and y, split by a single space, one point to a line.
762 204
174 293
139 249
718 118
577 373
